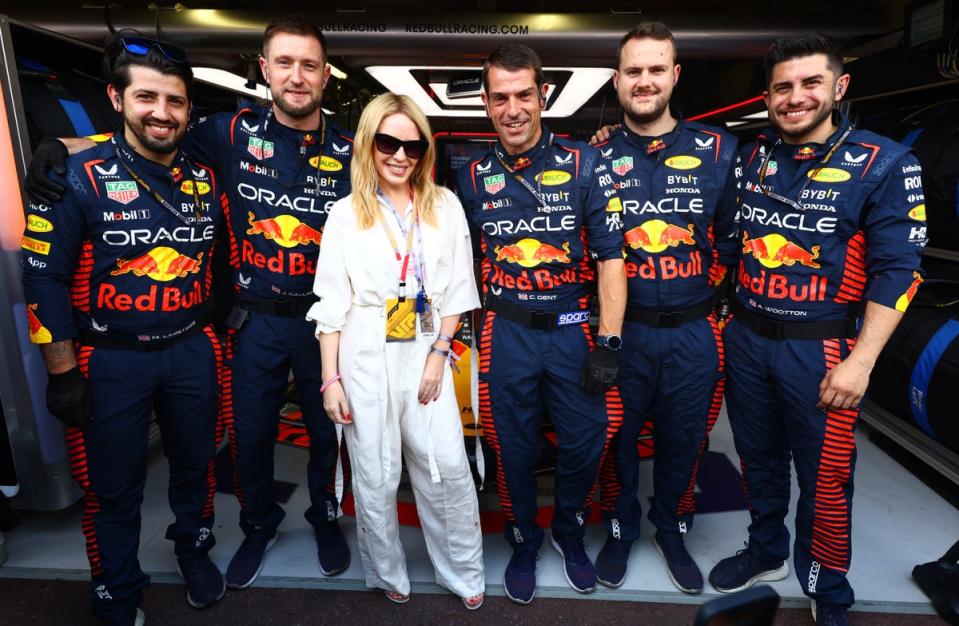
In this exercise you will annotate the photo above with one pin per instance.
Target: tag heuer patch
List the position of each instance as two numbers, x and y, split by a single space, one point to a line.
259 148
623 165
493 184
124 191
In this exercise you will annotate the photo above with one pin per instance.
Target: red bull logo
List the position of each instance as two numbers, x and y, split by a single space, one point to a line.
656 235
655 146
161 264
774 250
285 230
38 332
804 154
522 163
905 299
531 252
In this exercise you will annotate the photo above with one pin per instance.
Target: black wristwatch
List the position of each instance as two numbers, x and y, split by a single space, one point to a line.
610 342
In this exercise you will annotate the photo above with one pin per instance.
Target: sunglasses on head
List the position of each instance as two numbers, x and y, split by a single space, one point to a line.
141 46
388 144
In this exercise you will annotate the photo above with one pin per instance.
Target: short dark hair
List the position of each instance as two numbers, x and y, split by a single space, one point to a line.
647 30
803 45
514 57
117 60
294 25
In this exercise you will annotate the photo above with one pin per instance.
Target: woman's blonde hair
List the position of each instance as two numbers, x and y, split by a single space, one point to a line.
363 171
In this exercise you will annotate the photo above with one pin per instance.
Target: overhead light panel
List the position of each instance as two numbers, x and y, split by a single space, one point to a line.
581 84
228 80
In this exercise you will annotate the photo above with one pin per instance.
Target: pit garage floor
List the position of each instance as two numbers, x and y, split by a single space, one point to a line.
898 522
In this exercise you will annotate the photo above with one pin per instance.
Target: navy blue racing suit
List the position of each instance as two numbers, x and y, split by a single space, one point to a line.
112 269
537 277
672 188
279 183
823 228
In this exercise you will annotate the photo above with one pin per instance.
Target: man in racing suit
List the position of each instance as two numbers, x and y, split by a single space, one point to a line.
542 207
670 176
116 277
282 168
831 229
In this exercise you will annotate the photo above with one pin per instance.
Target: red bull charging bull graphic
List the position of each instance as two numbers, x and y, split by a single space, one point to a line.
531 252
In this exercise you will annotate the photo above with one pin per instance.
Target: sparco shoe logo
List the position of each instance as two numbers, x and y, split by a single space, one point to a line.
579 518
103 593
202 536
614 524
682 527
330 512
518 536
813 577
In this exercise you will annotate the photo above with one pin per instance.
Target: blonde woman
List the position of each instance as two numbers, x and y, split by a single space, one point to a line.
394 275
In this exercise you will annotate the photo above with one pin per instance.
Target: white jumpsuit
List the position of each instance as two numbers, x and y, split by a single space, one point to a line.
357 271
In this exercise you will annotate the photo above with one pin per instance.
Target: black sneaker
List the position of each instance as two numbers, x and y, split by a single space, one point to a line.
519 580
246 564
204 582
829 614
579 570
744 570
681 567
611 562
331 548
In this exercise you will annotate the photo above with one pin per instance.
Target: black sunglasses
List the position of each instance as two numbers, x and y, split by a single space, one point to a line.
141 46
388 144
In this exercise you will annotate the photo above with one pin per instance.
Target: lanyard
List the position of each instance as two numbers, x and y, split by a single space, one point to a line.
809 176
122 158
537 192
404 258
319 157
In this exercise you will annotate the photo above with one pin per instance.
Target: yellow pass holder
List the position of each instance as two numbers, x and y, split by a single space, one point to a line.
400 319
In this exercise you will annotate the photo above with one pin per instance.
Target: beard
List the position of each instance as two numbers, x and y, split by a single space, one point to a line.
159 146
296 112
645 116
796 134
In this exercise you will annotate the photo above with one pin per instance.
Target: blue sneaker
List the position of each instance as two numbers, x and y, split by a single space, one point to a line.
744 570
520 576
681 567
204 582
577 567
246 564
829 614
331 548
611 562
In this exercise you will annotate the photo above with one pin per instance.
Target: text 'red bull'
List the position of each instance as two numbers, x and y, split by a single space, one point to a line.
778 287
666 267
155 299
283 262
540 280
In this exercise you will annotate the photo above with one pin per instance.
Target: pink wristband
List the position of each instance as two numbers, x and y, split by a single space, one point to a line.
326 383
